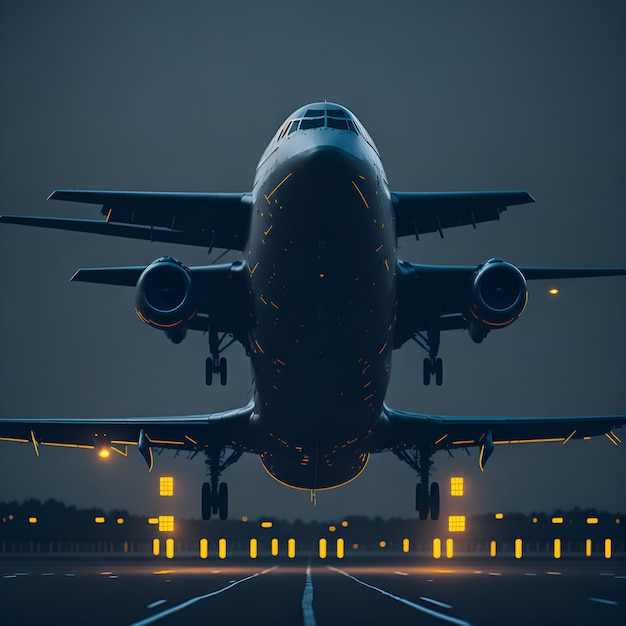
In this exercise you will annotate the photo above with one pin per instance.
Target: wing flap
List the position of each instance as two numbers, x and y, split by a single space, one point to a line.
427 212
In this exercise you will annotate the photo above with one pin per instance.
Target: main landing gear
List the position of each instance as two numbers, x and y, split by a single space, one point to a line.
215 493
426 499
432 365
216 364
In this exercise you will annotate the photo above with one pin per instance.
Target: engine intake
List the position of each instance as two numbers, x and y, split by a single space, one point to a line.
164 298
498 297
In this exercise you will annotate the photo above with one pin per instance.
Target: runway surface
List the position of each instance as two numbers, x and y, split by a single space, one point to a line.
311 592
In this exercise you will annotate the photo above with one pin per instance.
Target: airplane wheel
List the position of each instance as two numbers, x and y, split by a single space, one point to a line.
439 372
206 501
427 371
208 371
421 501
223 371
222 500
434 501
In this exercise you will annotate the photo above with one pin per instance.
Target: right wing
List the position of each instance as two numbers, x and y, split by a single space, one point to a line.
220 293
219 220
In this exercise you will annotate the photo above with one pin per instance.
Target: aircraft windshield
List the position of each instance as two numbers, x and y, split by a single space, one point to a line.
327 117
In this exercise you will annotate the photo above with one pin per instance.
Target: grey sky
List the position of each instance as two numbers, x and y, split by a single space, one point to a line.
184 96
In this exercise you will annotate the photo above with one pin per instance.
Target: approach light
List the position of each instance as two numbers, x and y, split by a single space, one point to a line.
104 453
553 292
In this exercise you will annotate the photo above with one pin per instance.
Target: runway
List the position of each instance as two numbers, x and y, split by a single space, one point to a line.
311 592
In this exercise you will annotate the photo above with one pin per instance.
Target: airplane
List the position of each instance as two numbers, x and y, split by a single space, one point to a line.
319 301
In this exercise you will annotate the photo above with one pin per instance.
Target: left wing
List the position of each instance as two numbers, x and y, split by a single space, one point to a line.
193 433
210 220
438 432
419 212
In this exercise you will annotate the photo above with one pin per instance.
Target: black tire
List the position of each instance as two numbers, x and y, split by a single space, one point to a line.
208 371
427 371
222 500
439 372
223 371
206 501
434 501
421 501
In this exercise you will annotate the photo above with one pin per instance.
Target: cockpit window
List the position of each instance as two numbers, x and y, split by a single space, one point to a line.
316 122
322 118
335 113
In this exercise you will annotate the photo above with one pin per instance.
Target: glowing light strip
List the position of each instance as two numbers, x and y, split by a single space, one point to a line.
267 198
35 444
166 442
13 439
569 437
611 437
66 445
122 452
367 206
538 440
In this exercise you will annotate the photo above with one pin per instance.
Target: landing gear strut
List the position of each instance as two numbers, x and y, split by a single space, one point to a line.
214 493
426 499
432 365
216 364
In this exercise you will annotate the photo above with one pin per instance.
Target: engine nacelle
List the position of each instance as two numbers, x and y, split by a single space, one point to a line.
164 298
498 296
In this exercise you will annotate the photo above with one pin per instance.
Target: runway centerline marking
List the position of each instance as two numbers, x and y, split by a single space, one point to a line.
187 603
603 601
446 618
308 617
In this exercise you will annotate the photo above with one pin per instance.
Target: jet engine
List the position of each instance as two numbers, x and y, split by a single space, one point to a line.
498 296
164 298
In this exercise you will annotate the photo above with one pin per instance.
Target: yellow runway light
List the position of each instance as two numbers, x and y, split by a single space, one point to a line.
519 547
254 548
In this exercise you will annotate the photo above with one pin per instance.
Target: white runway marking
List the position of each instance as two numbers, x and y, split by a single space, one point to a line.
603 601
184 605
443 605
308 617
155 604
413 605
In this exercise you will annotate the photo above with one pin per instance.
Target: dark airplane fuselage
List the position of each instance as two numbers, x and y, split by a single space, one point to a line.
321 259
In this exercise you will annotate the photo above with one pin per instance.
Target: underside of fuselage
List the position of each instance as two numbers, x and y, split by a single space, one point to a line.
321 265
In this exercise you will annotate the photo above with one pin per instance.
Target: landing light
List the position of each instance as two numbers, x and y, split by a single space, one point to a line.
104 453
553 292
